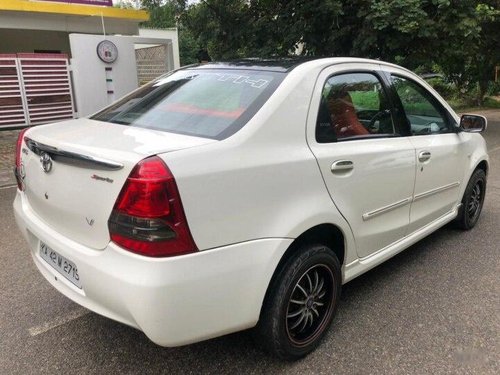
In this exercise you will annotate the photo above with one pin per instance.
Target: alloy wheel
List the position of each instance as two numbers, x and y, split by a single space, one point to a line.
475 201
310 305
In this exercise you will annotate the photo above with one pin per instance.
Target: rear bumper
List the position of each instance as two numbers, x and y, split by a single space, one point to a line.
174 301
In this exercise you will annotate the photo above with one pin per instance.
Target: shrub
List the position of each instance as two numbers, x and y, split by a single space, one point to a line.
493 89
446 90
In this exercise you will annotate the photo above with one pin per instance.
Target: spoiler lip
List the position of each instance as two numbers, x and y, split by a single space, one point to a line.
72 158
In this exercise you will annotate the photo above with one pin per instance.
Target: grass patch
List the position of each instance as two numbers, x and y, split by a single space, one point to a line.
363 100
490 102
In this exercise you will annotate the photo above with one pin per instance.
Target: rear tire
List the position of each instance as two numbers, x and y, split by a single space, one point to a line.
301 303
472 201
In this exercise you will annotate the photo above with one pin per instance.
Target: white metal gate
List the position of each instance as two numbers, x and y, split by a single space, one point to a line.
34 89
11 99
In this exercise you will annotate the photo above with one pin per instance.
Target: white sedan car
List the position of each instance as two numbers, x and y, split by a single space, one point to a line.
228 196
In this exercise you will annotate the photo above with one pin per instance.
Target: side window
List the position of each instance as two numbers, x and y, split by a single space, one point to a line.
353 105
423 112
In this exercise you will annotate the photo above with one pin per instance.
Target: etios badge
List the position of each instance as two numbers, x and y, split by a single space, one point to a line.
46 162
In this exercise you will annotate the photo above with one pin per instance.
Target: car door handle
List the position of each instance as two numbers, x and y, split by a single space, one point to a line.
342 165
424 156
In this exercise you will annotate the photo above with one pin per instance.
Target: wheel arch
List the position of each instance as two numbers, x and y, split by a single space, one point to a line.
327 234
483 164
478 159
462 221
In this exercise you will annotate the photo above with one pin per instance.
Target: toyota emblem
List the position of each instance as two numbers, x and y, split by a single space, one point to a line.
46 162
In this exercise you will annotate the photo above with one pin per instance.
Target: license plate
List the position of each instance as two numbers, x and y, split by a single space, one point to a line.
61 264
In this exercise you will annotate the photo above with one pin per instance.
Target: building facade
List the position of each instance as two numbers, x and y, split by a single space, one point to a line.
68 58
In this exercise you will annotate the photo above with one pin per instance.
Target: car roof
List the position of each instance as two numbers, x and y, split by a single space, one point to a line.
283 65
274 65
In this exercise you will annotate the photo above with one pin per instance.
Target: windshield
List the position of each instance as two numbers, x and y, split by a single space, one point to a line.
204 103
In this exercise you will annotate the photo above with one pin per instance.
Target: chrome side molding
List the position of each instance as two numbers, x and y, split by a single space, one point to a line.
382 210
435 191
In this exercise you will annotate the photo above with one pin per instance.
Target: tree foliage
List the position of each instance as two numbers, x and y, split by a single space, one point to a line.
165 14
461 37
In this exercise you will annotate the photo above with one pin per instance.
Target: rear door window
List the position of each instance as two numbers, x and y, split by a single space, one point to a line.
212 104
354 106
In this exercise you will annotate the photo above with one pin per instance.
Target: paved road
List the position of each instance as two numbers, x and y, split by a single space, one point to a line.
8 140
434 308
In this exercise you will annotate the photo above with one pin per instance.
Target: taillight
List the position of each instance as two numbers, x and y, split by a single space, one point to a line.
148 217
18 170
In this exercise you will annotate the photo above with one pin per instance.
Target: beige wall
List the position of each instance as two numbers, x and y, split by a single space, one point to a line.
74 24
18 41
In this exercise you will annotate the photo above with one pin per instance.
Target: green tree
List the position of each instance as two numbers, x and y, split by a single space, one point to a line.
293 26
165 14
162 13
221 26
474 50
460 36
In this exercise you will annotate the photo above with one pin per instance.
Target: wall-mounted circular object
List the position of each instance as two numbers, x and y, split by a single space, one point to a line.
107 51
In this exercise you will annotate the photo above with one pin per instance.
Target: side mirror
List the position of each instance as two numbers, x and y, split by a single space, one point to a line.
473 123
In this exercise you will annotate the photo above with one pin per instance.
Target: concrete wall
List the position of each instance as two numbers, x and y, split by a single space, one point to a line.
90 75
92 82
171 34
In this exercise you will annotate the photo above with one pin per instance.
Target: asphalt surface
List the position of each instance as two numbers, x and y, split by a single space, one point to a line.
8 140
433 309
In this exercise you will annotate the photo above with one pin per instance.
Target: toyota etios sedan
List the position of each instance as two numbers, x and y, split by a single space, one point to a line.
223 197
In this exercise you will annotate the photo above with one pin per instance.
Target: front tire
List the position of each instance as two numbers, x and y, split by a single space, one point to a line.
472 201
301 303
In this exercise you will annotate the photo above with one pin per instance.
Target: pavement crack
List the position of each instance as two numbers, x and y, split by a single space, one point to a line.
7 187
493 149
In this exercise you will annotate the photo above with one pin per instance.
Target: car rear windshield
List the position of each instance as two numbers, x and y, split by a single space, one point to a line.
204 103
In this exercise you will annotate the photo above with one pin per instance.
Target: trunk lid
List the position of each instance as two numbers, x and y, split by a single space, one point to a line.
90 162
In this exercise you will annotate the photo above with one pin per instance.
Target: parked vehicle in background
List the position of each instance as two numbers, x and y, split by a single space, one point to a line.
235 195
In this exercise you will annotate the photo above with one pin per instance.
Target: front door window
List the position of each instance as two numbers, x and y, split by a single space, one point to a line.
423 113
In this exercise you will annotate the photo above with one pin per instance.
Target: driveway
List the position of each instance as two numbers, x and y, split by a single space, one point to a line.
433 309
